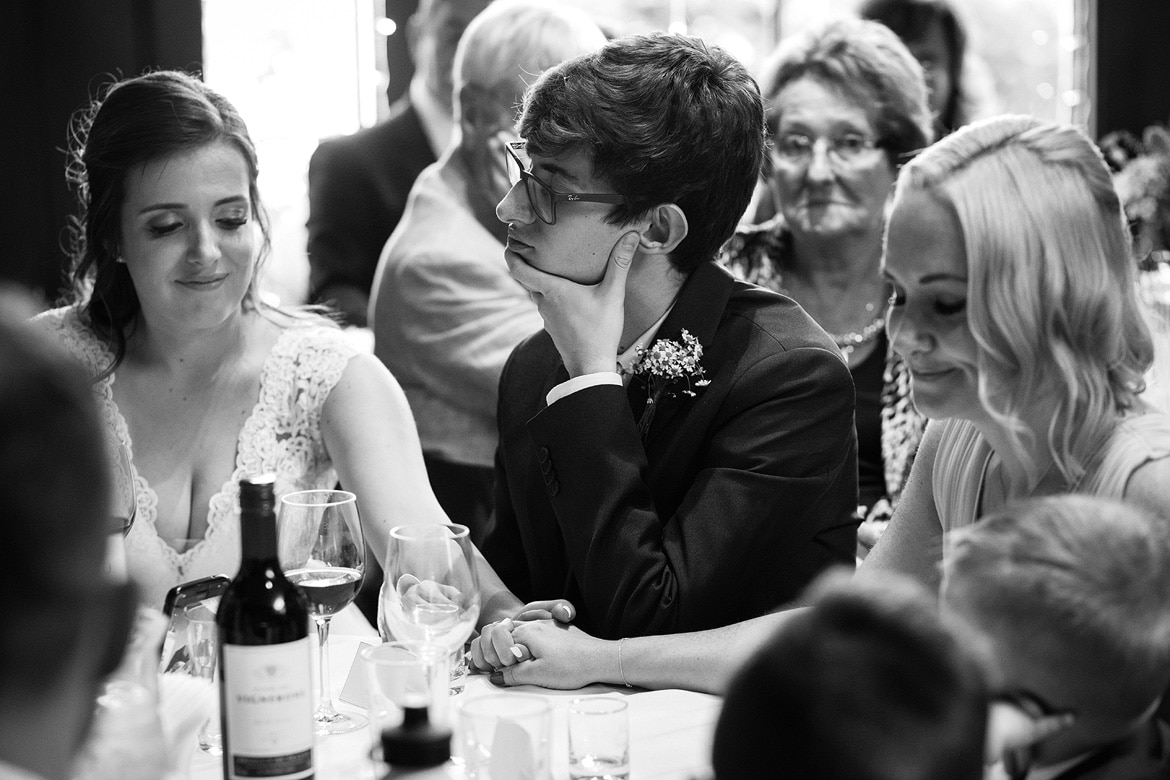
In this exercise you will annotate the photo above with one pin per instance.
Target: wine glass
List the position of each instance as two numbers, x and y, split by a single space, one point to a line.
322 552
123 497
431 590
201 646
123 506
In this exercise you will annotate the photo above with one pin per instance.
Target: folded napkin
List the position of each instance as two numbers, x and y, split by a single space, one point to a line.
185 702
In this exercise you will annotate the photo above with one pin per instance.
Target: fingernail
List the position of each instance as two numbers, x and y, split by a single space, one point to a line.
496 679
516 651
630 240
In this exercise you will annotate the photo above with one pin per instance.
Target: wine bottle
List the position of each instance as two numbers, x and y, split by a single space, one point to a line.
265 689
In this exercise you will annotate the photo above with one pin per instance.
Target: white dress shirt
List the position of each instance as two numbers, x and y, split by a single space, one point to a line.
625 365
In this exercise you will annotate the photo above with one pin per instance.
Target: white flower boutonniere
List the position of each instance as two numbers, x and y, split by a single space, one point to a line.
662 366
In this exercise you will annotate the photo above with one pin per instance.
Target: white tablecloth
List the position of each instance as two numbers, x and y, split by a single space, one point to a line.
670 731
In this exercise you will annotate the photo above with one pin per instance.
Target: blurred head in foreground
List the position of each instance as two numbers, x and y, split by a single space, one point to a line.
1073 594
867 684
65 623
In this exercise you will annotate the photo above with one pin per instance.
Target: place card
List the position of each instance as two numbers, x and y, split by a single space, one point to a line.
355 691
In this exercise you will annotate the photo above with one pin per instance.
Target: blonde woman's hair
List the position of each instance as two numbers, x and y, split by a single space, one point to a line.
1051 298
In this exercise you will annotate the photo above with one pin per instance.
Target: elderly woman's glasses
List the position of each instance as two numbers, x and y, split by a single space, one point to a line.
847 149
542 197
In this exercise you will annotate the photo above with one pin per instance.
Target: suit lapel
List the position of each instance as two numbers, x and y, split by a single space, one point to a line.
699 310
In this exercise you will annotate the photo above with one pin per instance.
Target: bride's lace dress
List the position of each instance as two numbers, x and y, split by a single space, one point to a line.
282 436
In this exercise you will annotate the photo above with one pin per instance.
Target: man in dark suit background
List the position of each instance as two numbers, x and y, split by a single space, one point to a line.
358 184
716 483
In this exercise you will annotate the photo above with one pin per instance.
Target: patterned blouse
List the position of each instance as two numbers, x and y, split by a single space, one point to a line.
757 255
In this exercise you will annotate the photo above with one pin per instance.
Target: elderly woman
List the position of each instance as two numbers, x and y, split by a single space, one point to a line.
846 107
1014 308
195 373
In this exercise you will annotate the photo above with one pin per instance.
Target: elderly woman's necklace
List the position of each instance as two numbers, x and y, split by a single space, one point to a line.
848 342
854 339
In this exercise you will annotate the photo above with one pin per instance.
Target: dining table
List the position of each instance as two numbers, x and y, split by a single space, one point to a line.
670 730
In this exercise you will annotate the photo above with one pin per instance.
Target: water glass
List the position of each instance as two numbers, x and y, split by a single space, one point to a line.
599 738
506 736
405 674
201 649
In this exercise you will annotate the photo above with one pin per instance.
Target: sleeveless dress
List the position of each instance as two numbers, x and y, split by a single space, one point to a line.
963 454
282 436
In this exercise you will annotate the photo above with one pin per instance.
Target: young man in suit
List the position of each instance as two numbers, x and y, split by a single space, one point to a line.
683 490
445 312
359 183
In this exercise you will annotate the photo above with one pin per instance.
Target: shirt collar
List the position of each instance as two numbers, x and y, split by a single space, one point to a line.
436 121
629 357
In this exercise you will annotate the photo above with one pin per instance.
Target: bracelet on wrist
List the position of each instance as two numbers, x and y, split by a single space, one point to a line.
621 668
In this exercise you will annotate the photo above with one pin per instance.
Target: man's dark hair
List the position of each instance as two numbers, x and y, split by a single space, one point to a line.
666 119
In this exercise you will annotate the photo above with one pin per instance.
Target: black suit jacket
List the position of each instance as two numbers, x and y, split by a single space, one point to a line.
736 499
358 187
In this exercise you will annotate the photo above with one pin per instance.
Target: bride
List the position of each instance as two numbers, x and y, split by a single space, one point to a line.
199 377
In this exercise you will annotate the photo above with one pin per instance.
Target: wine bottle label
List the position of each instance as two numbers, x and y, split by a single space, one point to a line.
268 710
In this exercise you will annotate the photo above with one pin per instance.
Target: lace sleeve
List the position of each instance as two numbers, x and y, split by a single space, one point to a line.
284 433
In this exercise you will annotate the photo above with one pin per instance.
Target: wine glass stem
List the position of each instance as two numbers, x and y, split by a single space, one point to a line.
325 710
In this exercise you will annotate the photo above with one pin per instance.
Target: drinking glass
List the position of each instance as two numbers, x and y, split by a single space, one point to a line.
506 735
201 649
431 590
401 675
322 552
123 496
599 738
123 506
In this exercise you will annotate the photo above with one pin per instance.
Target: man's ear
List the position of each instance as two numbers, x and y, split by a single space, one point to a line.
667 229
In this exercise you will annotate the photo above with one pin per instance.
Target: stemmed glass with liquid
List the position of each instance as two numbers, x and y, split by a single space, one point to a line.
431 591
322 552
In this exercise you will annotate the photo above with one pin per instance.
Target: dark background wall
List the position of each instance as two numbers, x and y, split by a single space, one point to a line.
1133 64
55 55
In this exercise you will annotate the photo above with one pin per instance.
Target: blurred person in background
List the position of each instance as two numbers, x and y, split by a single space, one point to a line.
1072 596
935 34
867 684
445 312
66 622
359 183
846 107
195 374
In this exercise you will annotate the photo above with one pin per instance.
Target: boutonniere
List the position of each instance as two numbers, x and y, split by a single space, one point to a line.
663 367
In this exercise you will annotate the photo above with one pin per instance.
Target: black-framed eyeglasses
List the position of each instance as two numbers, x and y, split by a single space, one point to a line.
846 149
542 197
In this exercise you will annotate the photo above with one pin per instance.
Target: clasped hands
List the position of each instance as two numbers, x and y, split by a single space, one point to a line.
538 646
